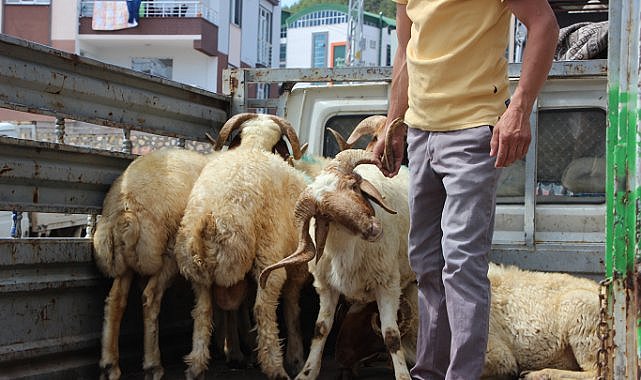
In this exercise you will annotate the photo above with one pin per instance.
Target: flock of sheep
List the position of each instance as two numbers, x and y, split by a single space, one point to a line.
261 214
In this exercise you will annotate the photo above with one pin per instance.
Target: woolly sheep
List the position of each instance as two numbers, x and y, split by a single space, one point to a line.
238 220
542 326
350 258
135 234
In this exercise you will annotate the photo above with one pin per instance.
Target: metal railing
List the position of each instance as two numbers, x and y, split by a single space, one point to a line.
164 8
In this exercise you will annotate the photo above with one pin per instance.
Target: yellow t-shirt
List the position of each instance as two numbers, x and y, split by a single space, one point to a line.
456 63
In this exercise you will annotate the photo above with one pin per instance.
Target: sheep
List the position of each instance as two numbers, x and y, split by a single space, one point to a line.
135 235
349 259
542 326
238 220
359 336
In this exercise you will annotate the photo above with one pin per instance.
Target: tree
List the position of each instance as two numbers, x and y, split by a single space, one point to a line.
388 7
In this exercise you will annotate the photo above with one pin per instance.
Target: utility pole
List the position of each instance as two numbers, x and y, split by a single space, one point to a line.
355 40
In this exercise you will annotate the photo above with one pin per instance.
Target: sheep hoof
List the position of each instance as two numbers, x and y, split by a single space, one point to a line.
109 372
154 373
189 375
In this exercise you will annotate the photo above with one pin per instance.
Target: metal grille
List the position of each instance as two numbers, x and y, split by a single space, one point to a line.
566 135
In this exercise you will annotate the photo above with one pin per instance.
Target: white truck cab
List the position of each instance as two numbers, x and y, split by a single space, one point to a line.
551 206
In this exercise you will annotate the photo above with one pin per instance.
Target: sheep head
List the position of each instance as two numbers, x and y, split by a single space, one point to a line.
337 195
239 123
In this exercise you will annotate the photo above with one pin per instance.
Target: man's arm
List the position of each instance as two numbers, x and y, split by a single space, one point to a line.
398 95
511 137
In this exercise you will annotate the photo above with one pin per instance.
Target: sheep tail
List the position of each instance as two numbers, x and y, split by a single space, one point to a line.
103 248
115 242
204 231
128 232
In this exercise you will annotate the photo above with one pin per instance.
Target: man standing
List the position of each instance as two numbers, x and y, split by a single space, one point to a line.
450 85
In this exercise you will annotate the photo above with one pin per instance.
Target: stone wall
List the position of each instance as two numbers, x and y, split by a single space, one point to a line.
97 137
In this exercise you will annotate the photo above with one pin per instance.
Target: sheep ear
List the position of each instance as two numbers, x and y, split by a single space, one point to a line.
373 194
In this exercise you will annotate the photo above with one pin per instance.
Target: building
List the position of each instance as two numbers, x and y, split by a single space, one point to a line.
190 42
187 41
317 37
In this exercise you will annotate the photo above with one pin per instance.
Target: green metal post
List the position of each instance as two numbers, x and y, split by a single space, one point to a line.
622 188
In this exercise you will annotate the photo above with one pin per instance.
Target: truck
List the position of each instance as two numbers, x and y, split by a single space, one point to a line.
565 208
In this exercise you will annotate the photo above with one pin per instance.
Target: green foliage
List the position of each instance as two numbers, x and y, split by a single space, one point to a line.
388 7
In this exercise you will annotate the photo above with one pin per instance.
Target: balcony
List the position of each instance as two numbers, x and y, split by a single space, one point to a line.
164 8
168 24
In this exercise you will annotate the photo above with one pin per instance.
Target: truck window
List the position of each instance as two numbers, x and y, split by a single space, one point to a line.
570 159
345 124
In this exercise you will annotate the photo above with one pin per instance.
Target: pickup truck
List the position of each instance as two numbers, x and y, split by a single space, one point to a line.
550 213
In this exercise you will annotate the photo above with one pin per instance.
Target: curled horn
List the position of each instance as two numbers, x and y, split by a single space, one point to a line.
342 144
347 160
388 153
305 210
367 126
231 125
288 130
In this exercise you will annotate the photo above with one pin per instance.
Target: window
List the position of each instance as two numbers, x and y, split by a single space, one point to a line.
161 67
570 159
264 37
283 55
320 18
236 11
319 50
344 125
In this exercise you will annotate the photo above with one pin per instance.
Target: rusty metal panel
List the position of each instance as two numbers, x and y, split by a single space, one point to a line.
39 79
583 260
48 177
51 297
568 69
596 67
51 304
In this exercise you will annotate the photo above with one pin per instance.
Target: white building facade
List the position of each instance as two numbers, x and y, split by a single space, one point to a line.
318 36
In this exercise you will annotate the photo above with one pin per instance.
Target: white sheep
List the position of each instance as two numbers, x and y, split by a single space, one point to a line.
135 234
350 258
238 220
542 326
140 216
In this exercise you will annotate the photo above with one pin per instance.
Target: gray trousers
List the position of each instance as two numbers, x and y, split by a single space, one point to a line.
452 196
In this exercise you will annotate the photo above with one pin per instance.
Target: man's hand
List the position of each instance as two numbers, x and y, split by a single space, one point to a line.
511 136
390 148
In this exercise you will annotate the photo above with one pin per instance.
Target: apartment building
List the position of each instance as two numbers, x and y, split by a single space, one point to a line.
317 36
187 41
190 42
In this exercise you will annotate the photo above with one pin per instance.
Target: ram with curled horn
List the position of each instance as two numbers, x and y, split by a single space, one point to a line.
235 126
360 231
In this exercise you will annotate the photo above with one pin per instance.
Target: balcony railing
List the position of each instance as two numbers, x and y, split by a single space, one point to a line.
164 8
